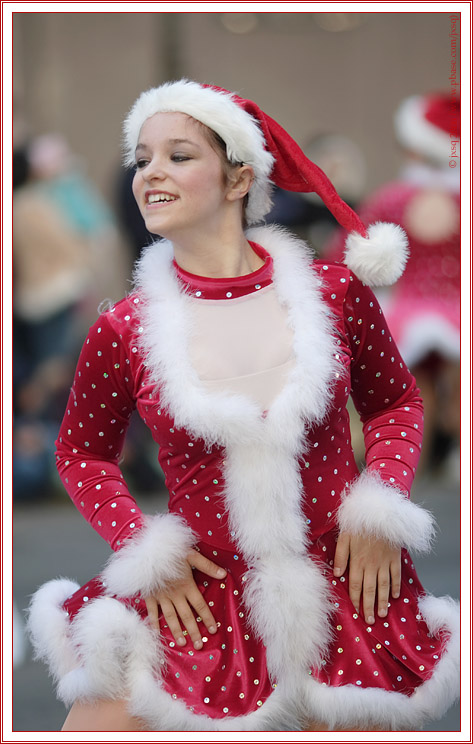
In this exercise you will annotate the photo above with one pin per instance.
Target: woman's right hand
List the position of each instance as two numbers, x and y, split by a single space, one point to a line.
178 602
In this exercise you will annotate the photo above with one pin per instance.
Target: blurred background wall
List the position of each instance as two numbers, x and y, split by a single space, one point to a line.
78 73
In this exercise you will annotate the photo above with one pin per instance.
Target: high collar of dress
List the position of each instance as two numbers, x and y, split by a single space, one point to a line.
217 288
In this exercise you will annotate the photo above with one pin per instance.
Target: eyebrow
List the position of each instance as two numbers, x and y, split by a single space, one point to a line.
173 141
178 141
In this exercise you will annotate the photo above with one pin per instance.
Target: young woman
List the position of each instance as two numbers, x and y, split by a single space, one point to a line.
277 592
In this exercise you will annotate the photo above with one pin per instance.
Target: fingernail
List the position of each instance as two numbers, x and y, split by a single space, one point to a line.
181 641
382 613
212 629
337 571
370 620
221 573
396 595
198 645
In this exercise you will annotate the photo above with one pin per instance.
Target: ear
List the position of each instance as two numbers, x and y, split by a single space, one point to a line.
240 182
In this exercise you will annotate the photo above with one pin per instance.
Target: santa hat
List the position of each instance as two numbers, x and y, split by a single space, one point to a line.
376 254
427 124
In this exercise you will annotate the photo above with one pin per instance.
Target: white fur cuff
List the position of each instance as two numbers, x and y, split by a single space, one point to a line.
152 559
372 507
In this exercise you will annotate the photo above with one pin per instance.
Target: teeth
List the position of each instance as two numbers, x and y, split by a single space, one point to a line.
152 198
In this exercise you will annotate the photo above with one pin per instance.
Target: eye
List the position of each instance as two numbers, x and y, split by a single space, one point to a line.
179 157
141 163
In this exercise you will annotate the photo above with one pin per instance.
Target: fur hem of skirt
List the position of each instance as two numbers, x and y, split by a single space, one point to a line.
114 654
350 706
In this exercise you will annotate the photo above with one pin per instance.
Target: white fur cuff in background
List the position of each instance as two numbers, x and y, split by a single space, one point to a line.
150 560
373 508
380 259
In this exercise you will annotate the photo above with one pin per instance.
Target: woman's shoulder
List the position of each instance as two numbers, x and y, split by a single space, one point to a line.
121 317
333 273
339 285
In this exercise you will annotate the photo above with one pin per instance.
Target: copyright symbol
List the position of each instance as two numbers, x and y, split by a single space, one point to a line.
453 163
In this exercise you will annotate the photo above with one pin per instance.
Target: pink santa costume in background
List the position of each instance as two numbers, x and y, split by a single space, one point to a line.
423 307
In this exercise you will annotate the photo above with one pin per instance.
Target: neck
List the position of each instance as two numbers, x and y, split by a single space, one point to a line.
222 257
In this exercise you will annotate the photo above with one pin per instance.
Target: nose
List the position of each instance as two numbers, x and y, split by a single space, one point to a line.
153 170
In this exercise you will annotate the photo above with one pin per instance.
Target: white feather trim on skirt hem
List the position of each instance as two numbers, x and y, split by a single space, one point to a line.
109 652
348 706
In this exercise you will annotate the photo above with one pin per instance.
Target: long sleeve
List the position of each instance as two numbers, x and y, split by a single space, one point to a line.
150 550
92 435
387 398
383 390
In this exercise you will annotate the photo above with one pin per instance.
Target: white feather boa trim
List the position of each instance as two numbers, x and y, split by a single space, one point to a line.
150 560
108 652
347 706
374 508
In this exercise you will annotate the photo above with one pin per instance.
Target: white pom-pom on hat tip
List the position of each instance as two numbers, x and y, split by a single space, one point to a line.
380 258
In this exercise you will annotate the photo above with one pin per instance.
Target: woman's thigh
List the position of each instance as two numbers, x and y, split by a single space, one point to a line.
319 726
102 715
112 715
315 726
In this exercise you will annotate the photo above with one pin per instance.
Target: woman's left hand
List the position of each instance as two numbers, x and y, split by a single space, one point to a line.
374 570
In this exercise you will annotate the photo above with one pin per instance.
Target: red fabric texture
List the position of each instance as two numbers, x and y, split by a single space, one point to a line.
294 171
111 380
227 288
228 676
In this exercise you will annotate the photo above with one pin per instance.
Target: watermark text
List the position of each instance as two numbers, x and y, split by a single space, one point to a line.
454 80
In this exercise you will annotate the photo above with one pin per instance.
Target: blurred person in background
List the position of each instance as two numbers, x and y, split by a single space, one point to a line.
59 177
306 214
423 307
277 591
66 256
49 279
129 215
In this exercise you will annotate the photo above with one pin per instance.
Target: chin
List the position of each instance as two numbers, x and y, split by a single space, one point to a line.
156 227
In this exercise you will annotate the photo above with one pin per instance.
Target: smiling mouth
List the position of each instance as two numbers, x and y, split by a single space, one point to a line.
160 198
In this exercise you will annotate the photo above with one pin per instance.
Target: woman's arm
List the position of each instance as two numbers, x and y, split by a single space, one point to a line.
92 434
154 554
376 517
384 392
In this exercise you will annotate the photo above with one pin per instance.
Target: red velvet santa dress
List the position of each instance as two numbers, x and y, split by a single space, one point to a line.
255 446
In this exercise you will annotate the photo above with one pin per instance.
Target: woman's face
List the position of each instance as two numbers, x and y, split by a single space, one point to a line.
179 183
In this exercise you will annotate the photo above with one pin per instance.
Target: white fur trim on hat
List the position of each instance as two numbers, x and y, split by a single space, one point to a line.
150 560
218 111
379 259
376 509
416 133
